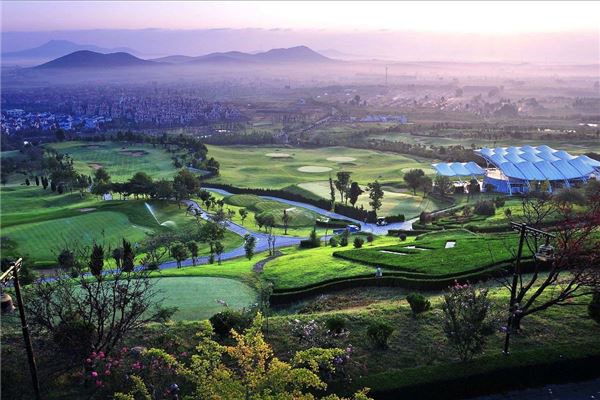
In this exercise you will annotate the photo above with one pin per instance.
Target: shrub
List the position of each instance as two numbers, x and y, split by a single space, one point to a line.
465 313
358 242
333 242
336 323
485 207
418 303
344 238
425 218
312 242
390 219
379 333
402 236
227 320
499 202
594 307
370 238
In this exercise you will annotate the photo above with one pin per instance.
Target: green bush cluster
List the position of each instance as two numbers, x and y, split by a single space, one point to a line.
378 333
418 303
485 207
227 320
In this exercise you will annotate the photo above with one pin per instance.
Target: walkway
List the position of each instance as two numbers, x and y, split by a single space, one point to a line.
365 227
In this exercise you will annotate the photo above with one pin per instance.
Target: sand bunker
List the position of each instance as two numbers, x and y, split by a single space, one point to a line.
95 166
134 153
278 155
341 159
313 169
425 169
86 209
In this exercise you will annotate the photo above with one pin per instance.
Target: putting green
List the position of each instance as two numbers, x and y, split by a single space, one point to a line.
341 159
197 297
313 169
278 155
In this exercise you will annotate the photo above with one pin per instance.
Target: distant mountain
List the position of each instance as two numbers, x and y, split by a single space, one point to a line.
176 59
58 48
91 59
299 54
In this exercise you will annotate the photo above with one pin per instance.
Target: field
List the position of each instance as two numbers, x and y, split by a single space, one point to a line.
432 255
196 297
282 167
38 224
578 147
119 159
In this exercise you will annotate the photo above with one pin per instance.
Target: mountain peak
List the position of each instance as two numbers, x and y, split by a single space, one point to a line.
92 59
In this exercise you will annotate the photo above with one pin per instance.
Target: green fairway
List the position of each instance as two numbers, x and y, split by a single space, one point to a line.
119 159
250 166
38 223
282 167
196 297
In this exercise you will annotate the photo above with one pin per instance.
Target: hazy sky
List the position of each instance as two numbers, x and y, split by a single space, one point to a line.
480 17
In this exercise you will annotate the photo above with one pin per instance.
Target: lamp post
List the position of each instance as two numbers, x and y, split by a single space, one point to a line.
13 273
546 255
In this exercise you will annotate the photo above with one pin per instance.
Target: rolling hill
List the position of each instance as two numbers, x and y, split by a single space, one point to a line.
298 54
58 48
91 59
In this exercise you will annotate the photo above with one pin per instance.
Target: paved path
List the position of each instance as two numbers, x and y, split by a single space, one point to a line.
365 227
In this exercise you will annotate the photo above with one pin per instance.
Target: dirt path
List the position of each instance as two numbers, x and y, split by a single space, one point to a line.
258 267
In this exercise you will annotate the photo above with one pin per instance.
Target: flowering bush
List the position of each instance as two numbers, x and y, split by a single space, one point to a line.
465 313
316 334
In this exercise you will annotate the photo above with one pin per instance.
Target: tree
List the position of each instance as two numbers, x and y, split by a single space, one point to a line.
442 185
243 214
332 193
164 189
370 238
286 218
101 176
84 315
354 193
37 181
342 183
117 255
66 260
358 242
27 181
185 184
473 188
376 195
141 184
574 270
219 248
178 252
413 179
465 312
425 184
193 249
249 245
156 248
97 260
128 257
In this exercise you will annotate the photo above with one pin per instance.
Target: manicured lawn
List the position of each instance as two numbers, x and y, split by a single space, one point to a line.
39 223
300 267
196 297
119 159
265 167
431 257
302 221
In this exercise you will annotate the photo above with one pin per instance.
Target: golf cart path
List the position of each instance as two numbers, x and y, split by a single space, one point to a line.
365 227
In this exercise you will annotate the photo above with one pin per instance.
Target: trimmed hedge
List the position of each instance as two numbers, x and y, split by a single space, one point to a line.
415 232
282 297
343 209
488 374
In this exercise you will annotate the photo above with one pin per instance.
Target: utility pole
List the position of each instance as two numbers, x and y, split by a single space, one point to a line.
13 273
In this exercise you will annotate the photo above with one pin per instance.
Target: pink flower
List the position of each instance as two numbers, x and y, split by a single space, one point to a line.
98 382
88 360
93 354
94 374
124 350
107 372
101 355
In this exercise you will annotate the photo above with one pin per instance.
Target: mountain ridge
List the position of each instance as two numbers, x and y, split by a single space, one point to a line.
91 59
